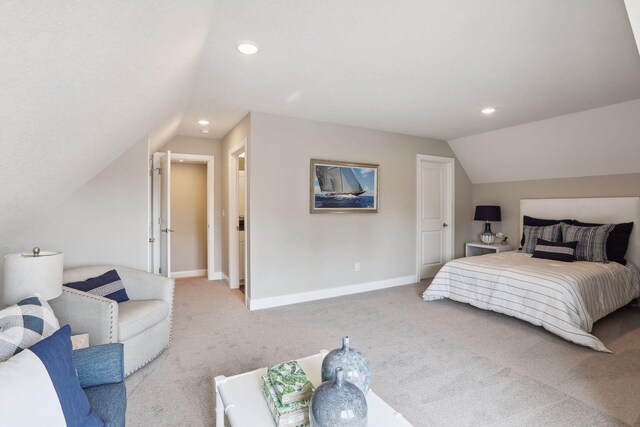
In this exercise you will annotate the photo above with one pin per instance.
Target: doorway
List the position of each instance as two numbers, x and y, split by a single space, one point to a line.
435 213
163 222
238 222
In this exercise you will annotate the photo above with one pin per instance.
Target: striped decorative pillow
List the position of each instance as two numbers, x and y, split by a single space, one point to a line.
550 233
557 251
592 241
109 285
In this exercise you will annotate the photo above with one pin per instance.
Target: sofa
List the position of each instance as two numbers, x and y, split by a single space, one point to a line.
142 324
101 373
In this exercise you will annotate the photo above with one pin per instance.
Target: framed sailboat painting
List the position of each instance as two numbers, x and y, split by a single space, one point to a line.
342 187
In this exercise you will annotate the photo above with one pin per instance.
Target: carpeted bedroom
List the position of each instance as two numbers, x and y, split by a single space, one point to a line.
437 363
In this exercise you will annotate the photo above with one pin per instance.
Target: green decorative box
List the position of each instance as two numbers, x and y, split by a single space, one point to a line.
291 415
290 382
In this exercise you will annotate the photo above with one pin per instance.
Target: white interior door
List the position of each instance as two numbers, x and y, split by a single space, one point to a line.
165 215
435 212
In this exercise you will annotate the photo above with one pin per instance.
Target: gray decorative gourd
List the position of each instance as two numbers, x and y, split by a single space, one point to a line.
355 365
338 403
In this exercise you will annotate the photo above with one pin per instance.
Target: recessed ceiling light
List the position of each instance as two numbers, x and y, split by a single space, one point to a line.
203 122
181 160
248 47
205 130
488 110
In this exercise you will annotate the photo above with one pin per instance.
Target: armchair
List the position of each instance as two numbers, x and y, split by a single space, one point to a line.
101 375
142 324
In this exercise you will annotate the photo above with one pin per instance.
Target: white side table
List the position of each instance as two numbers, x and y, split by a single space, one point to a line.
240 398
479 248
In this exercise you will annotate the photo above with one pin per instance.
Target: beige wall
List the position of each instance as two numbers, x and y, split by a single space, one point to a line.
104 222
209 147
235 139
508 195
188 216
294 251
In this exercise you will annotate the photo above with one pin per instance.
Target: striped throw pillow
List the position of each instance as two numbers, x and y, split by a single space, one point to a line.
550 233
109 285
592 241
557 251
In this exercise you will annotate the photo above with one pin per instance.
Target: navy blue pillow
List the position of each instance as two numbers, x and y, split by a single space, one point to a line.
40 387
109 285
556 251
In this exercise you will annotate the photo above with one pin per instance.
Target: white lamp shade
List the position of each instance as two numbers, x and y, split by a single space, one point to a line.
26 275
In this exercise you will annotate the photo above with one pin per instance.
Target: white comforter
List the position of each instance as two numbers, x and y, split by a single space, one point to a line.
565 298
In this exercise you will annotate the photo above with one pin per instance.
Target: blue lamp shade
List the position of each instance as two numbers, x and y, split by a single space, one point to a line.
487 213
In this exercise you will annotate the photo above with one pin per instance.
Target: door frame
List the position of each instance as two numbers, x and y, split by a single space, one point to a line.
189 158
232 202
450 164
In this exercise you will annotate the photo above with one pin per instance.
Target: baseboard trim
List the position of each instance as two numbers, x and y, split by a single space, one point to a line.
216 275
270 302
188 273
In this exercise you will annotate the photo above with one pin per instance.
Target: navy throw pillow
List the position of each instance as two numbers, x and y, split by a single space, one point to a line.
109 285
557 251
40 387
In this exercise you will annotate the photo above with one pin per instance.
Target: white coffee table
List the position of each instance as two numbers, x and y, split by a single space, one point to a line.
240 398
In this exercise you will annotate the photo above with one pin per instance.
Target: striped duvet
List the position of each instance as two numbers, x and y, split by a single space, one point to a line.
565 298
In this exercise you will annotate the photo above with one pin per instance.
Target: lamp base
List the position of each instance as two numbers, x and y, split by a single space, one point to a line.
487 237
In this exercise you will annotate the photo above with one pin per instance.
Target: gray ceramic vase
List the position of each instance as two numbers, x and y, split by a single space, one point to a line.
356 367
338 403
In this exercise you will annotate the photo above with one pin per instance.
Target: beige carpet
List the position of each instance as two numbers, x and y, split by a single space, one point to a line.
439 363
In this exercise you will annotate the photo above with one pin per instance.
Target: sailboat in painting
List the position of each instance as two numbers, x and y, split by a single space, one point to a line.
337 181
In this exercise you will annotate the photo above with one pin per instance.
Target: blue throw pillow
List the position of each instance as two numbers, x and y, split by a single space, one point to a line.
40 387
109 285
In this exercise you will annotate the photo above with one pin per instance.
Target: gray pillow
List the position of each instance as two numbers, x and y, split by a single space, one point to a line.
592 241
550 233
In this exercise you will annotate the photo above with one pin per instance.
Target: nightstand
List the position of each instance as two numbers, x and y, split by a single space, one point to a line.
479 248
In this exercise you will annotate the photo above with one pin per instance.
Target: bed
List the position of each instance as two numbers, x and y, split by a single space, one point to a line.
564 298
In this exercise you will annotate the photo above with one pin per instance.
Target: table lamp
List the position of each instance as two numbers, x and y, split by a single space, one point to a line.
487 213
27 274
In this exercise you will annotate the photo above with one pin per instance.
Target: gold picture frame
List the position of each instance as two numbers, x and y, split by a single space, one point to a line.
343 187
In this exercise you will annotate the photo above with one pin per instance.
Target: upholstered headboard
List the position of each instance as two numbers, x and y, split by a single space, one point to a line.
604 210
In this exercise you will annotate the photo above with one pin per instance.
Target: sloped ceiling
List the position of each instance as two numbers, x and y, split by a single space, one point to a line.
420 67
80 83
603 141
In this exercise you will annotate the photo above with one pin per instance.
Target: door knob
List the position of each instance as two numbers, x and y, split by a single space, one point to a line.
167 230
444 224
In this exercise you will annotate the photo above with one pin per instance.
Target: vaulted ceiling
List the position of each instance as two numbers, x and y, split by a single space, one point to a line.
416 67
81 82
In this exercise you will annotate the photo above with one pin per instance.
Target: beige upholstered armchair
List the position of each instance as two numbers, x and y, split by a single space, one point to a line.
142 324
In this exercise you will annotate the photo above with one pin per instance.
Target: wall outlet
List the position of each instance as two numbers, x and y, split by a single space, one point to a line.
357 266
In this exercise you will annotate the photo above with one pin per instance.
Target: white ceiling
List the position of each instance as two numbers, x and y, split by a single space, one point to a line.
417 67
602 141
80 83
